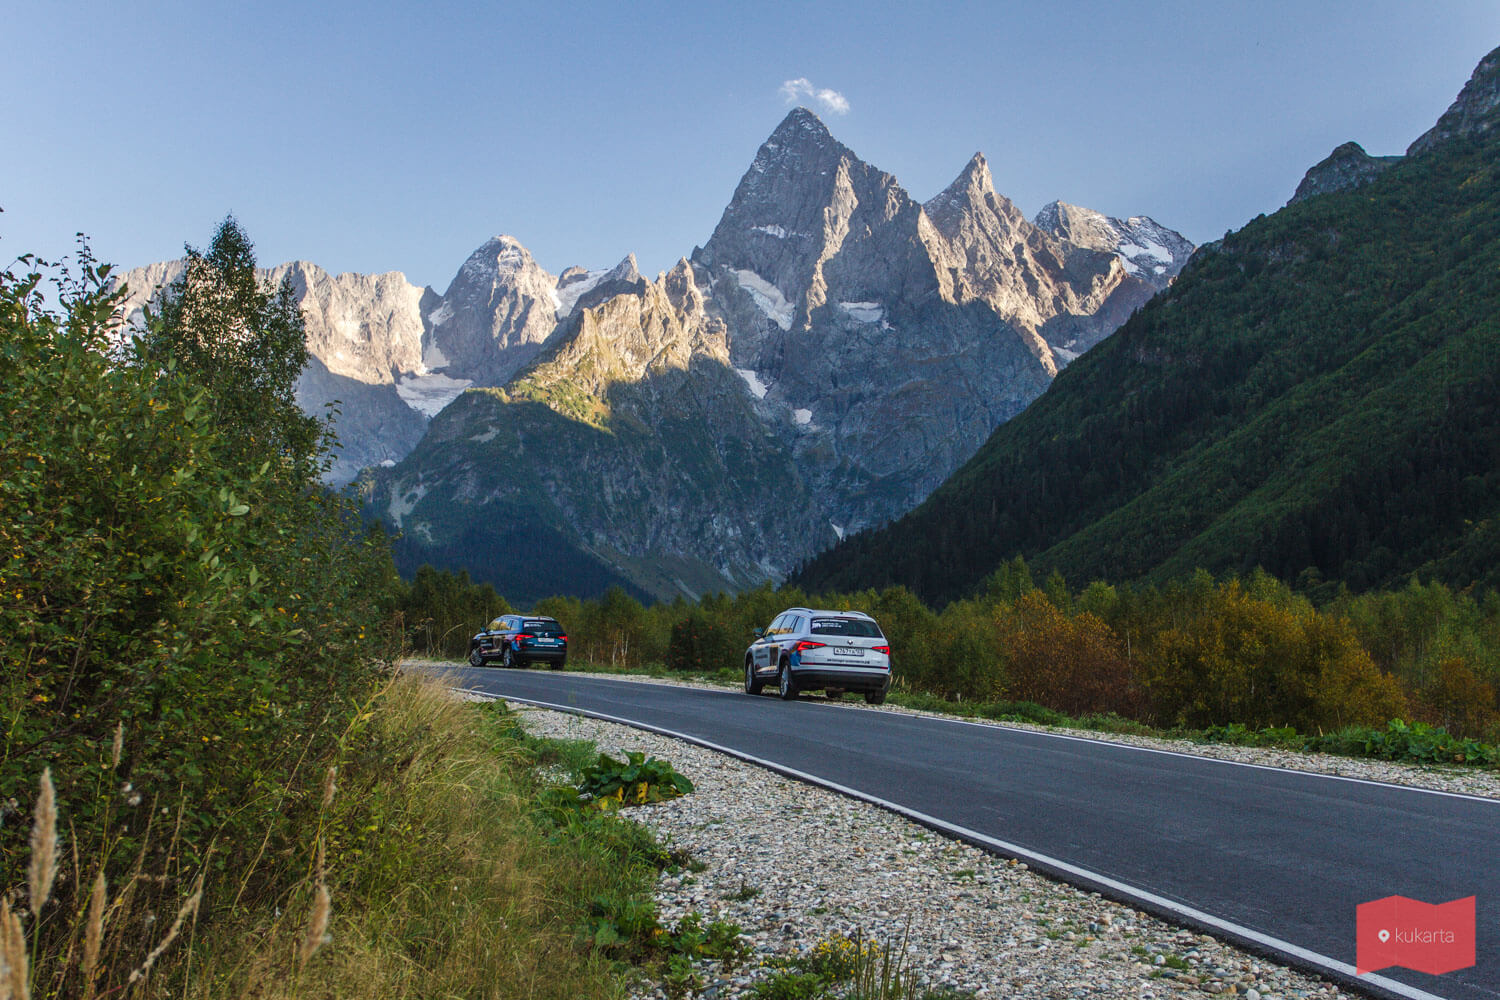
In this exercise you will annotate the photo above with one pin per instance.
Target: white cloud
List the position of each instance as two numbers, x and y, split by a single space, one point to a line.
801 88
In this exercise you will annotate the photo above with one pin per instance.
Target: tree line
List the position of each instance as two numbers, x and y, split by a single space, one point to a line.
1192 653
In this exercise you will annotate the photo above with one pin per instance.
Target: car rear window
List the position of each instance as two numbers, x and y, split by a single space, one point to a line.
542 626
846 626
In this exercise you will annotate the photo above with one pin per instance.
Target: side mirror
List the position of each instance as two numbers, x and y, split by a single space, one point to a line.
759 633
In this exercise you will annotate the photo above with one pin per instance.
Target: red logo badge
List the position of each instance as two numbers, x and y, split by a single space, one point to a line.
1428 937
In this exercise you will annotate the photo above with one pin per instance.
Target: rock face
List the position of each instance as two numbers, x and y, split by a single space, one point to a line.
1475 112
497 311
630 452
1348 166
1147 250
832 352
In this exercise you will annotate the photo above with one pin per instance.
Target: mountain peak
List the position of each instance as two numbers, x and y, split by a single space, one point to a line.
1073 223
800 124
627 270
1146 249
1348 166
973 190
500 255
975 176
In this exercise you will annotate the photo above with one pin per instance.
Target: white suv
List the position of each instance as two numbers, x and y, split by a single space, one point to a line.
806 649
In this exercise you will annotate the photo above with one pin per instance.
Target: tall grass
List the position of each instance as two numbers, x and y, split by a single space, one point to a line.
427 871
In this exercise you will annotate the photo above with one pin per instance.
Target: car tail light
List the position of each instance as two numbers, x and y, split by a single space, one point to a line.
882 649
519 636
563 638
807 644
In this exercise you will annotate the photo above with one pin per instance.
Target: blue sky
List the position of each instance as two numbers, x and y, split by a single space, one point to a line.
381 136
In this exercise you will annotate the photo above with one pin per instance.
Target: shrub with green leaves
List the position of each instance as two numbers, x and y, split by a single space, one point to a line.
609 783
167 577
1417 742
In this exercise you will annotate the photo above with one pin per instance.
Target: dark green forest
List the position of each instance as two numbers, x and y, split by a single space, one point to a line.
1316 396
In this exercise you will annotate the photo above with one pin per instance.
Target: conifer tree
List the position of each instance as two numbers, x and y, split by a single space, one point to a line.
245 342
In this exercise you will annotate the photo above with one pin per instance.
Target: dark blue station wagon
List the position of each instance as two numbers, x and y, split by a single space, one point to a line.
519 640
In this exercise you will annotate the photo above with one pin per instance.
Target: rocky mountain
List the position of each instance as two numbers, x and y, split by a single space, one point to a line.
390 354
1348 166
1318 394
819 365
1147 250
629 453
829 355
1472 115
497 311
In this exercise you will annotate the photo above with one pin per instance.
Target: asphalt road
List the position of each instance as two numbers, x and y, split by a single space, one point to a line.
1274 860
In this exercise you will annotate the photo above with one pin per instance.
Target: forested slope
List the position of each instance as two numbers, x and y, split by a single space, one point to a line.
1317 394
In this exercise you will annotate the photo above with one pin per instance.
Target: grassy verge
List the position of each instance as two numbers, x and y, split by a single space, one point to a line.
447 860
445 882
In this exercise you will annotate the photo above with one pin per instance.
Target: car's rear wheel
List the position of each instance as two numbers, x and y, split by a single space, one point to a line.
560 663
875 697
753 684
475 659
786 684
508 658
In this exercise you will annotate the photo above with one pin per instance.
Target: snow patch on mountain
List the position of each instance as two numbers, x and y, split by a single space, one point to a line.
757 388
433 359
1151 249
864 312
430 393
565 297
767 297
776 231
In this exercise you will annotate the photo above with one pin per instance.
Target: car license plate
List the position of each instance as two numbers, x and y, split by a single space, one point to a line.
847 651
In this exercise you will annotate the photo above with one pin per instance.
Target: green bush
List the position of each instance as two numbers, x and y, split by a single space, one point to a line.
173 581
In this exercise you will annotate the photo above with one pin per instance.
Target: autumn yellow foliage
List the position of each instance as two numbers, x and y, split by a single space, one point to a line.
1249 660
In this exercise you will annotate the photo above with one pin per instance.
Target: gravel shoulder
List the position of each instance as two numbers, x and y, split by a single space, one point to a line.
793 864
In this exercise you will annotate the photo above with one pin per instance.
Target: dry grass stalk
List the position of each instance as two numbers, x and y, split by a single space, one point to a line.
118 747
93 934
187 910
43 867
329 786
317 924
15 984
